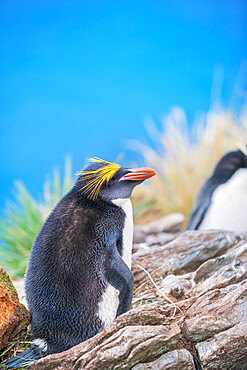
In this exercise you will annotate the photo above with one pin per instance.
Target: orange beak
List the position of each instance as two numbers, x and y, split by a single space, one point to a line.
138 174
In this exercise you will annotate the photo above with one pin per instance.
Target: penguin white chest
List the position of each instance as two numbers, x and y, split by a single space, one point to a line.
109 300
126 205
228 208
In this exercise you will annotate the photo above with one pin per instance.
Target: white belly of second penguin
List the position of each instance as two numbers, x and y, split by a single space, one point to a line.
228 208
109 301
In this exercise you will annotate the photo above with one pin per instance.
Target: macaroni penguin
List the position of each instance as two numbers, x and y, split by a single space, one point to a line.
78 278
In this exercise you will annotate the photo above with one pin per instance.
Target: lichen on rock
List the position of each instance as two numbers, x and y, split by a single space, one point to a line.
14 317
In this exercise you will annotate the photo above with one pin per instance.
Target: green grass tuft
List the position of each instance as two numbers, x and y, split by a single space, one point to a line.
24 217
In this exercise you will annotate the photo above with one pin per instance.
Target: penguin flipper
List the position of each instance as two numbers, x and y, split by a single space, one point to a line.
23 360
120 277
198 214
201 205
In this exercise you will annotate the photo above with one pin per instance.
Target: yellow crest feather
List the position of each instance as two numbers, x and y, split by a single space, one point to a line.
97 177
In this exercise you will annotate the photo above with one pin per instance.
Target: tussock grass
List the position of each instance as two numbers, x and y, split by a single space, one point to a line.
24 217
184 158
18 228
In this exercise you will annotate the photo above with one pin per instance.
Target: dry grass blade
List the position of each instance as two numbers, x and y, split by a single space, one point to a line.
162 294
19 344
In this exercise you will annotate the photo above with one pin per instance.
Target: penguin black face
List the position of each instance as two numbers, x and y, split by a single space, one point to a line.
123 182
110 181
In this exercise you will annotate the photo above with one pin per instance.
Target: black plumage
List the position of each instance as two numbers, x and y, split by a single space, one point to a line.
73 237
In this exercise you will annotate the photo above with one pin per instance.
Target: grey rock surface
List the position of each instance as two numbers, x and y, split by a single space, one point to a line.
179 359
216 311
184 254
195 316
225 350
118 346
169 224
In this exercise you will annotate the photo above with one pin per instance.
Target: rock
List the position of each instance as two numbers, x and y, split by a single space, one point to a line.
161 238
220 272
169 224
180 359
121 345
215 273
177 285
226 350
13 315
216 311
184 254
205 274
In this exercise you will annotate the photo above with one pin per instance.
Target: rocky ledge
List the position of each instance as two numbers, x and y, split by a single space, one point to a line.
14 317
189 308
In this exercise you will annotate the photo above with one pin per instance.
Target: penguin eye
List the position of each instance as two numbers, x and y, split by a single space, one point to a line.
112 181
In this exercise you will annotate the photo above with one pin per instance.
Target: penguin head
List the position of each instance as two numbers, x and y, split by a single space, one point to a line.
109 181
230 163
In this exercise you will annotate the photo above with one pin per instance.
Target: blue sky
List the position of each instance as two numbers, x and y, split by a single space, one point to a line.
80 77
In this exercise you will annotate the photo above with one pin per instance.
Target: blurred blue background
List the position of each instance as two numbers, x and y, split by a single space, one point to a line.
80 77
